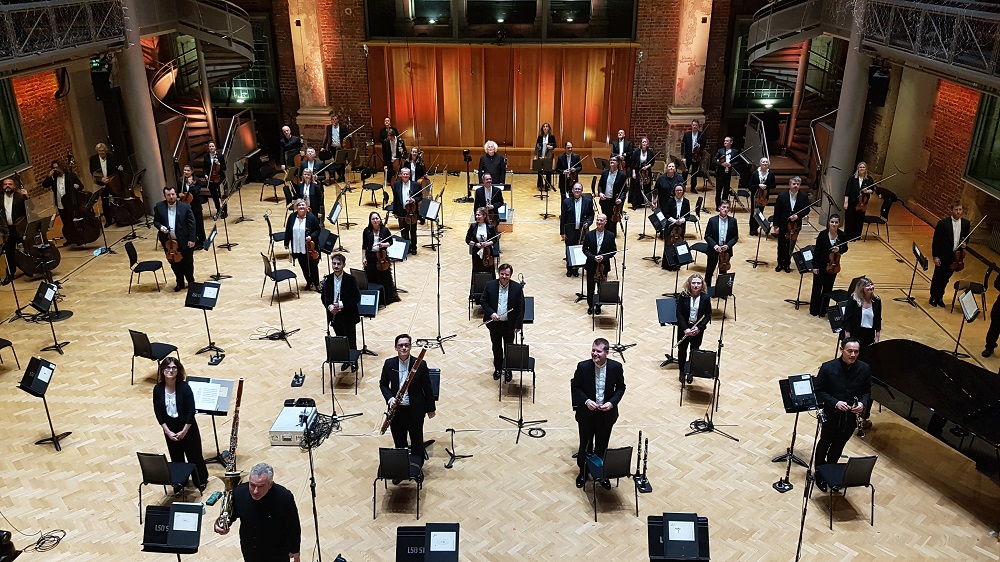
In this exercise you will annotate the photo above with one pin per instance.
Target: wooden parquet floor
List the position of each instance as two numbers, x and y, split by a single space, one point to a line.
512 500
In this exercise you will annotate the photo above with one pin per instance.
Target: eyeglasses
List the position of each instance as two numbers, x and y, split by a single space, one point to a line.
170 368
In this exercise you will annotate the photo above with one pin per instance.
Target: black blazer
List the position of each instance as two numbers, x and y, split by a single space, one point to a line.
616 149
562 164
368 240
670 209
584 387
387 150
495 166
491 231
385 132
420 391
720 156
549 149
591 250
637 162
95 164
317 165
71 182
184 225
684 312
567 216
496 197
398 203
833 384
783 209
620 189
943 244
753 180
712 233
207 165
852 316
687 144
854 188
821 252
182 187
417 170
316 199
515 300
350 295
289 148
185 404
312 228
328 136
665 188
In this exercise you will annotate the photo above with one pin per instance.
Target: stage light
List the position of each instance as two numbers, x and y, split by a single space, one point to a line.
569 20
432 21
499 20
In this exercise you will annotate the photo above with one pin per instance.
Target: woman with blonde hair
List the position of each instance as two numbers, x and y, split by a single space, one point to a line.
694 310
863 317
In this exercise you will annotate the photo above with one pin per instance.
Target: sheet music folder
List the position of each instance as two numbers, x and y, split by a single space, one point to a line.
37 376
202 296
684 537
175 529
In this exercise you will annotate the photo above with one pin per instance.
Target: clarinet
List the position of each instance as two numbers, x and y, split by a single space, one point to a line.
861 420
645 460
638 457
233 476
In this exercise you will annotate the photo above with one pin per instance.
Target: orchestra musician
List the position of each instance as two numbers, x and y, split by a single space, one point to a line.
303 227
488 196
341 297
691 145
173 407
724 157
393 152
289 146
176 219
492 163
480 240
789 208
993 332
823 279
214 187
12 209
374 238
613 187
676 214
576 213
102 166
417 402
416 164
312 192
270 528
863 314
312 163
598 386
544 145
762 178
665 184
567 161
694 310
843 388
860 184
621 148
333 141
599 246
949 236
190 184
721 235
503 308
642 159
387 131
61 183
405 192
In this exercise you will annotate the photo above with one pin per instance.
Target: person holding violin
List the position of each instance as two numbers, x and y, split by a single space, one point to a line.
691 150
544 145
642 160
665 185
857 194
725 157
387 131
301 232
789 208
677 210
341 297
189 185
103 166
721 235
947 248
215 172
503 311
492 163
311 191
289 145
565 166
336 135
416 164
694 310
613 188
12 209
575 217
407 196
621 148
61 183
761 182
489 197
175 221
599 246
374 240
863 314
393 152
830 245
312 163
482 245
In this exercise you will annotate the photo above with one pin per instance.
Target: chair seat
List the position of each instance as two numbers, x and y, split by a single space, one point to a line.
280 275
147 266
700 247
180 472
874 220
5 343
161 350
278 237
274 181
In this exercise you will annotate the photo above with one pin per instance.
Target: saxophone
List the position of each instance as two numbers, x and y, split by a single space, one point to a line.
233 476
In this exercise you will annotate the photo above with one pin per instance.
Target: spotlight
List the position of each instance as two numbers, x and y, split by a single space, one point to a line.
499 20
432 21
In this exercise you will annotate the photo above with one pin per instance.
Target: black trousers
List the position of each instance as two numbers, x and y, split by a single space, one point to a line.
408 231
822 283
939 281
501 334
215 190
784 250
188 450
199 218
837 430
692 174
10 251
994 331
693 342
713 262
310 269
722 186
591 285
408 421
595 431
854 223
346 328
184 269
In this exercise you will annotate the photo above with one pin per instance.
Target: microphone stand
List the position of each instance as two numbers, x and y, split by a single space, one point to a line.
105 249
810 480
18 312
707 424
618 347
312 437
437 342
468 182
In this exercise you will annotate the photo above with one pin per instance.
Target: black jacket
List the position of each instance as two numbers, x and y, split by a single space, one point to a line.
821 252
398 203
783 209
184 225
584 387
943 244
350 295
71 181
838 382
684 312
495 166
185 405
852 316
95 164
420 391
328 136
289 148
496 197
316 197
616 149
712 233
567 216
207 165
619 189
591 250
515 301
312 228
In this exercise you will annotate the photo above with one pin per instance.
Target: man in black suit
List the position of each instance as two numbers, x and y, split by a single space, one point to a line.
576 212
341 298
405 191
103 166
567 161
503 308
418 400
789 208
721 235
676 212
843 389
12 208
61 183
663 190
597 387
187 183
175 220
488 196
311 191
725 157
613 187
387 131
312 163
214 177
691 142
289 146
621 147
393 153
599 245
333 141
950 234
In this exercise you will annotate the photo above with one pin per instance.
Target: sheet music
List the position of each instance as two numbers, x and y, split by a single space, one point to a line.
206 395
368 299
44 373
50 292
801 388
433 207
223 391
442 541
680 531
577 257
210 292
807 255
398 250
185 521
682 249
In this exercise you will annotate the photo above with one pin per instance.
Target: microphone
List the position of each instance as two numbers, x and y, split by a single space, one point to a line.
366 49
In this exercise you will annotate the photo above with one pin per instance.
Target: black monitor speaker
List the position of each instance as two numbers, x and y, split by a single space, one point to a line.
878 86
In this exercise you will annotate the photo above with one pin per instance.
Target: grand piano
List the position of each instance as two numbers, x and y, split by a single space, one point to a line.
953 400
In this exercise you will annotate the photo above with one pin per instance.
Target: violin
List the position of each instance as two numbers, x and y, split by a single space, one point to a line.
863 200
959 263
833 263
311 250
724 263
601 273
187 195
676 232
214 176
170 247
762 196
573 173
382 262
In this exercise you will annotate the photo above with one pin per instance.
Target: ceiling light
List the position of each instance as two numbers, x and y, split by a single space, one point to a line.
499 20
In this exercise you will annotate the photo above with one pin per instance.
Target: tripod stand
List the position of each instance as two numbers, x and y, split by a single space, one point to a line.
520 422
645 210
239 195
220 353
225 227
334 217
106 248
17 303
810 481
468 179
281 334
707 424
544 169
923 262
453 453
437 342
618 347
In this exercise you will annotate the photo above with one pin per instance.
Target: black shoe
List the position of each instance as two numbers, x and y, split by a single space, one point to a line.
345 366
396 481
354 367
605 483
178 489
581 480
590 310
576 273
690 379
178 288
777 268
987 352
788 269
508 376
413 251
597 309
496 374
6 280
569 273
821 484
394 298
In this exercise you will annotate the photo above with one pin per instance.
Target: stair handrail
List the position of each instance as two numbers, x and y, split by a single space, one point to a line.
813 143
233 125
760 132
180 141
231 33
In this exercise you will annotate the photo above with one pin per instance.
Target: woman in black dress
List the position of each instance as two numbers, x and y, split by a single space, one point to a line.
303 227
863 317
375 237
856 186
642 159
173 405
544 145
479 238
694 310
823 278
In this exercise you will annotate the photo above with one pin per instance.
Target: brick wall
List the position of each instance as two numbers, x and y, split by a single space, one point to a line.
656 75
342 27
715 72
281 31
948 143
45 122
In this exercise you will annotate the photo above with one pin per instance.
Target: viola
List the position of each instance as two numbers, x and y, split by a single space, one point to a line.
601 273
214 176
762 196
383 263
724 263
187 194
863 200
488 256
676 232
959 263
170 248
794 226
311 250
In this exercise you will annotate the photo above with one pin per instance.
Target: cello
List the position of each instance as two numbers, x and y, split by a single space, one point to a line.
126 208
84 227
35 254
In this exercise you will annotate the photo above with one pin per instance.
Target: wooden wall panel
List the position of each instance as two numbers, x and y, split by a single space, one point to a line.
526 96
472 97
423 70
620 97
550 93
596 112
574 98
499 102
449 80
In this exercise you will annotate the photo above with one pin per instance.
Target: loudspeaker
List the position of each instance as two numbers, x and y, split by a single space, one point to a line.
878 86
7 551
100 78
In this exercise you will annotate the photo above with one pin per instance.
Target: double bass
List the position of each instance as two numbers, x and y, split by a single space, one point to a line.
127 208
84 227
35 254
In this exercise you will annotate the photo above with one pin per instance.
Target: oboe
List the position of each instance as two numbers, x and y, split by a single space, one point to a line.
861 420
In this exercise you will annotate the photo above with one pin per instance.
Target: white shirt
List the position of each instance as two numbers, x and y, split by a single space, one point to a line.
693 315
481 233
609 189
545 145
728 150
104 166
642 156
60 190
867 317
488 195
621 147
172 220
337 282
762 175
404 191
579 209
404 370
723 230
170 403
335 135
502 302
8 205
600 378
299 236
792 197
600 240
679 202
306 193
956 229
309 165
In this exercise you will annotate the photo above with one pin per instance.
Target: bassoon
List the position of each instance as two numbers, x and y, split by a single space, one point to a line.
391 412
233 476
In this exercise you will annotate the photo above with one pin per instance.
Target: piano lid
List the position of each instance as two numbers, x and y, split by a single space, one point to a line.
960 392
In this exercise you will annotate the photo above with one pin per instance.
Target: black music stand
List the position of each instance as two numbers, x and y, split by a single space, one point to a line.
18 311
325 245
367 308
677 255
658 220
520 422
666 314
645 212
763 227
105 249
347 213
970 311
332 218
397 252
204 297
210 241
575 259
835 314
803 264
35 382
797 396
45 298
677 537
225 227
923 261
212 397
544 166
173 530
240 180
430 209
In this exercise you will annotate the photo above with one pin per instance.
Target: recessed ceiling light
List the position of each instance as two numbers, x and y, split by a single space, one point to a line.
432 21
570 20
499 20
